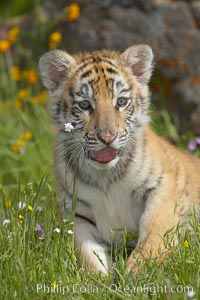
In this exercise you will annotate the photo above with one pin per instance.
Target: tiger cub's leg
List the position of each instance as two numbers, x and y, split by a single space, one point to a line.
90 250
159 216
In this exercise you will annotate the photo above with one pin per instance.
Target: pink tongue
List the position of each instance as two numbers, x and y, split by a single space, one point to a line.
104 155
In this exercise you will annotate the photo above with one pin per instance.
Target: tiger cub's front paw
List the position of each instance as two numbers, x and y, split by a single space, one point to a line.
133 266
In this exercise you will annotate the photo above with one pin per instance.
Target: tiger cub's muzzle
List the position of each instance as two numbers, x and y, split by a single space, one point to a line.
108 153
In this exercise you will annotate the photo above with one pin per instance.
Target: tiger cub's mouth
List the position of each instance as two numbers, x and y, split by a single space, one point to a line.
104 156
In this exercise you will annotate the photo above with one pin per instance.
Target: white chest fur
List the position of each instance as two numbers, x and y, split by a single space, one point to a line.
114 210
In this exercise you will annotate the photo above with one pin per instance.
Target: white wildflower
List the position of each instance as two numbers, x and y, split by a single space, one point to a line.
69 127
190 294
21 204
70 231
6 222
39 208
57 230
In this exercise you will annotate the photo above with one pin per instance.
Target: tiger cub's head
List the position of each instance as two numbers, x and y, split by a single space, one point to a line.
104 95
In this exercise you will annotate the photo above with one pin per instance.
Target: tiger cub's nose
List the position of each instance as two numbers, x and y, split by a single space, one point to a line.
107 138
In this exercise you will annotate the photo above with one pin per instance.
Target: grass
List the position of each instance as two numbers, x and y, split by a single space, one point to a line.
37 266
37 257
12 9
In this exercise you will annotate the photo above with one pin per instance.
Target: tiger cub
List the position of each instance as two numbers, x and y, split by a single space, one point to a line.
123 175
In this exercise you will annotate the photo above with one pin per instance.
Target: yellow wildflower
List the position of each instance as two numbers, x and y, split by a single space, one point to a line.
186 244
18 104
20 143
15 148
53 129
55 39
22 94
34 99
4 46
20 217
27 135
42 97
8 203
30 208
32 77
13 34
73 12
16 73
54 284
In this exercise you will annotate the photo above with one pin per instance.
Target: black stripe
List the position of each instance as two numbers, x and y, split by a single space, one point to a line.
102 59
84 65
111 71
80 200
96 59
86 74
76 113
146 180
65 109
103 243
149 189
125 90
85 218
119 84
108 61
152 188
109 85
71 93
91 59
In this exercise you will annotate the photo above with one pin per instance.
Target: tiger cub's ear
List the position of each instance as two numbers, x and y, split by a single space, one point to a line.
139 58
55 67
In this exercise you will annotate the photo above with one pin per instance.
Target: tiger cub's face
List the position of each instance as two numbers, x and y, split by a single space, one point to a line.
104 96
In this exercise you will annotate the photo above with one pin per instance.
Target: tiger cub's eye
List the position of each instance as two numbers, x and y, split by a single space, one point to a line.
121 102
84 105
